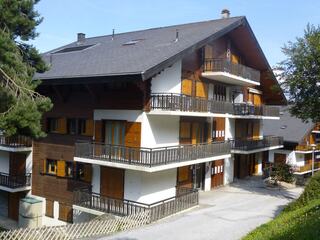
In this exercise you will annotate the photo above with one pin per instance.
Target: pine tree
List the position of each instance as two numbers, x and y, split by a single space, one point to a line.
20 110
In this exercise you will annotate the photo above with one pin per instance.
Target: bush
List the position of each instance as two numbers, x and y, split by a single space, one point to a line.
282 172
311 192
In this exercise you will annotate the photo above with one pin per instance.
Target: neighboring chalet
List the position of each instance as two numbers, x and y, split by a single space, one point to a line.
15 175
299 140
150 115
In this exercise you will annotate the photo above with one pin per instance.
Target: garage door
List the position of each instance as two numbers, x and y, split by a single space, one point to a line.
217 173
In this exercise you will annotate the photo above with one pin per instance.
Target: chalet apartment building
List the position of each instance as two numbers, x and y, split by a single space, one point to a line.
144 115
301 141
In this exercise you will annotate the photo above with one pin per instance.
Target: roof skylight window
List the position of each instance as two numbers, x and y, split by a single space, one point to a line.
132 42
74 49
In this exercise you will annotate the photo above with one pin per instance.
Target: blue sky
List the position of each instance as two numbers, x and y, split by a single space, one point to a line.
274 22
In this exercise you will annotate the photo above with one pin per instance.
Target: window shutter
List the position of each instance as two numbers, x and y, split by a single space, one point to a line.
201 90
256 130
186 87
44 166
61 168
133 134
62 125
87 173
98 131
89 127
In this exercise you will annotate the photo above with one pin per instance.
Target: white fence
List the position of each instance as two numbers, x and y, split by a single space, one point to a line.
78 230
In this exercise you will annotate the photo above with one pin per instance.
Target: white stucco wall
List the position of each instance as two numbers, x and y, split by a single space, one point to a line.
158 131
129 115
168 81
207 179
150 187
230 128
29 162
96 178
228 170
292 157
4 162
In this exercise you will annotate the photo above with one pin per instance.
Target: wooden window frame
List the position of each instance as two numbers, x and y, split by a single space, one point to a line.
70 122
50 125
48 170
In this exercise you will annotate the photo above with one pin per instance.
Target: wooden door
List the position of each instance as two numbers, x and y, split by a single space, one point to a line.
184 177
112 182
257 99
279 158
185 133
17 164
218 126
217 173
13 205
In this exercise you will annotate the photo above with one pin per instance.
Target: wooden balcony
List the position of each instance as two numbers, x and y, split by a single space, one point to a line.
149 158
15 143
307 168
307 148
187 198
172 102
15 182
226 71
255 145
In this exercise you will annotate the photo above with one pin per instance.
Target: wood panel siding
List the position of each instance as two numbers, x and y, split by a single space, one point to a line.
112 182
43 184
49 208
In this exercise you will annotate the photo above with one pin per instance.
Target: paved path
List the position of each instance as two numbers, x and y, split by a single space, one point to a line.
226 213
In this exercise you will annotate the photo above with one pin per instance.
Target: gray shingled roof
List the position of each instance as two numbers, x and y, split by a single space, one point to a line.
110 57
292 129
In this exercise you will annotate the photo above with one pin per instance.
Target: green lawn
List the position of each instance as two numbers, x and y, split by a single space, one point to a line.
299 220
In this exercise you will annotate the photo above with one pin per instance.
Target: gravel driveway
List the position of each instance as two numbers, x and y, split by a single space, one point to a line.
226 213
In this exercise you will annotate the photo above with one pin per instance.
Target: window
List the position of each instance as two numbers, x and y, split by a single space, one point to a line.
82 126
52 124
51 166
80 171
69 169
72 126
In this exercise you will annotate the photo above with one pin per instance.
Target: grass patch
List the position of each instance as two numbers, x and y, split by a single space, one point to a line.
299 220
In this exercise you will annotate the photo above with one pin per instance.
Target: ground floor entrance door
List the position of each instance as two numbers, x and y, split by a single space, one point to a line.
217 173
191 176
198 176
112 182
245 165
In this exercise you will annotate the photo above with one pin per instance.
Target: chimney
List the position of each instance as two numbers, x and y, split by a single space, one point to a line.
81 37
177 35
225 13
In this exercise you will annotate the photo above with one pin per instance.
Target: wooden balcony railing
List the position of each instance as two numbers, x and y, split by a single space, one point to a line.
124 207
184 103
15 141
253 144
150 157
308 167
307 147
224 65
12 181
